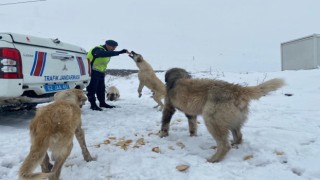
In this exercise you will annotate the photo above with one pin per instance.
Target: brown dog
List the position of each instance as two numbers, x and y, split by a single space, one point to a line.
148 78
53 127
224 106
113 93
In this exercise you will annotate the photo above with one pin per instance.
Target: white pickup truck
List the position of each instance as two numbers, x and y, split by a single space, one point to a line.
32 69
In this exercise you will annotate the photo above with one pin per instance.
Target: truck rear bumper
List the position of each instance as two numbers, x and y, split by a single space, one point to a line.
16 101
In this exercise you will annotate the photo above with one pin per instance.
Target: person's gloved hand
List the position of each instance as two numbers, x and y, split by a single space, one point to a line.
124 51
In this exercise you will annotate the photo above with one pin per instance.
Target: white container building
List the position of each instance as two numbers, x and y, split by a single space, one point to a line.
302 53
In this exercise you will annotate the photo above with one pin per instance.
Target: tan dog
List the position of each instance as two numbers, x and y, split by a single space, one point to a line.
224 106
53 128
113 93
148 78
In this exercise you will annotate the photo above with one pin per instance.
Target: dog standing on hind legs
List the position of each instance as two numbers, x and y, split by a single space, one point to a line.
224 106
53 128
148 78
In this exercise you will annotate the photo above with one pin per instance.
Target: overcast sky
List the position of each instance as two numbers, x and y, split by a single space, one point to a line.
218 35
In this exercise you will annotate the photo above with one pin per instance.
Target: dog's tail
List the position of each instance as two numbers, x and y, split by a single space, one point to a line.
256 92
34 158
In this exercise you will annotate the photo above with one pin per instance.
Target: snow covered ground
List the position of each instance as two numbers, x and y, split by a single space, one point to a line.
281 136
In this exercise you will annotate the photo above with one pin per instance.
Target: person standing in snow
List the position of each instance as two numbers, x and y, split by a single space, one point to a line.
99 57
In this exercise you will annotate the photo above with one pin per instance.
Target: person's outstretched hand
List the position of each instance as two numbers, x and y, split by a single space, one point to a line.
124 51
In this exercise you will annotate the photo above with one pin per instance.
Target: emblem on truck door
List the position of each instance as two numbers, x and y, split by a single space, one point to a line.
65 68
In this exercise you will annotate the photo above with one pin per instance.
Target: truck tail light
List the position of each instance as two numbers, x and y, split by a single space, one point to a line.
10 64
9 69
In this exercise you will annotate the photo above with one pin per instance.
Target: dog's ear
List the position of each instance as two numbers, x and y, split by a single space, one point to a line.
139 58
80 95
174 74
83 98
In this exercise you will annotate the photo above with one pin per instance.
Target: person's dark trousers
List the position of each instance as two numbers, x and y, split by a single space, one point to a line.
101 95
96 86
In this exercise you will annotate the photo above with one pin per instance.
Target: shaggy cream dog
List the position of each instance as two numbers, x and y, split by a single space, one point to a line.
224 106
53 128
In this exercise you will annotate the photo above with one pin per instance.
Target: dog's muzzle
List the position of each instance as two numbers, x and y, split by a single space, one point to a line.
132 54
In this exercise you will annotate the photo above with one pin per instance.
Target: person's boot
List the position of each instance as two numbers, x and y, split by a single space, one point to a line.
94 105
101 97
95 108
105 105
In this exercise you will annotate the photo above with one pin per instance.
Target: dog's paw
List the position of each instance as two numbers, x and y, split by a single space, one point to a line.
158 108
193 134
163 133
89 158
213 160
236 143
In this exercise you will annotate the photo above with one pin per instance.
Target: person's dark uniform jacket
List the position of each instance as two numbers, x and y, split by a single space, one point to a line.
99 58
